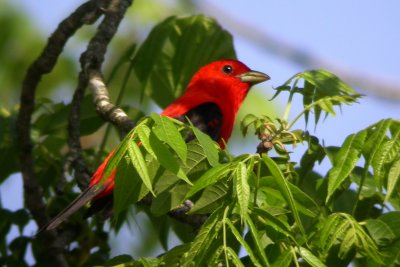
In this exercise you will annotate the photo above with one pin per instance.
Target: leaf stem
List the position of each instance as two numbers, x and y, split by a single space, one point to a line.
257 182
224 236
360 188
290 125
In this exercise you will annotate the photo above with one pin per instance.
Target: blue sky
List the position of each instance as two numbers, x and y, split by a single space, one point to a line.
362 36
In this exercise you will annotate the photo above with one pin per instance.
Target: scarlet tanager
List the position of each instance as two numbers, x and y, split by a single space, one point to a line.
210 102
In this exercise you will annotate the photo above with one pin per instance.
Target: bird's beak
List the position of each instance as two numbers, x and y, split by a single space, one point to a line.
253 77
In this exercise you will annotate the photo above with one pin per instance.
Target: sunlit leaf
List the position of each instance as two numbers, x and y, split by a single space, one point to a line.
343 229
139 164
393 178
242 188
345 161
310 258
166 131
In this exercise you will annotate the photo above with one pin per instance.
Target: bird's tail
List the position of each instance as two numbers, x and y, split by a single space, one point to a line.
75 205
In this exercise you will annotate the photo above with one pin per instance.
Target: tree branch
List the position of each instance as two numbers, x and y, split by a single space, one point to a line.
85 14
104 106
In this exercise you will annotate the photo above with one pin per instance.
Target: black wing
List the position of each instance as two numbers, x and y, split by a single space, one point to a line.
207 117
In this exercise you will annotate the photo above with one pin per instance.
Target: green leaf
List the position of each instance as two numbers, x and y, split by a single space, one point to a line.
55 120
195 166
377 148
275 222
284 259
174 50
284 189
241 240
139 164
212 176
257 240
210 198
310 258
242 188
143 132
307 97
380 231
393 178
327 83
115 158
119 261
202 246
392 220
234 257
208 145
343 229
166 131
345 161
127 186
174 256
166 158
169 199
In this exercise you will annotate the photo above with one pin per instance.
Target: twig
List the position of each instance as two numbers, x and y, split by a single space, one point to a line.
33 195
194 220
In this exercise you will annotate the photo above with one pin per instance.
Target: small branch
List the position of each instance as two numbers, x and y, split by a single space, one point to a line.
33 195
75 157
194 220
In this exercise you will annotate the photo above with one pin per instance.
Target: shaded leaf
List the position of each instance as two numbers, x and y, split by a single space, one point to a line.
208 145
210 198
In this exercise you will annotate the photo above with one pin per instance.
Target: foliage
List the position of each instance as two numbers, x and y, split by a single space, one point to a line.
262 209
278 212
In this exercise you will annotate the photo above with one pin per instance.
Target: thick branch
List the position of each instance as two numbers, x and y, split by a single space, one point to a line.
104 106
33 195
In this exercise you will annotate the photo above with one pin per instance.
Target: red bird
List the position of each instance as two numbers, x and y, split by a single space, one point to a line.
211 102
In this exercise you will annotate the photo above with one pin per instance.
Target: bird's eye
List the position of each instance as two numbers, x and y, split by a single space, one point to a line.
227 69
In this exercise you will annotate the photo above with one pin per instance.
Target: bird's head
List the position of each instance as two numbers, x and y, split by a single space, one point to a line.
227 79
